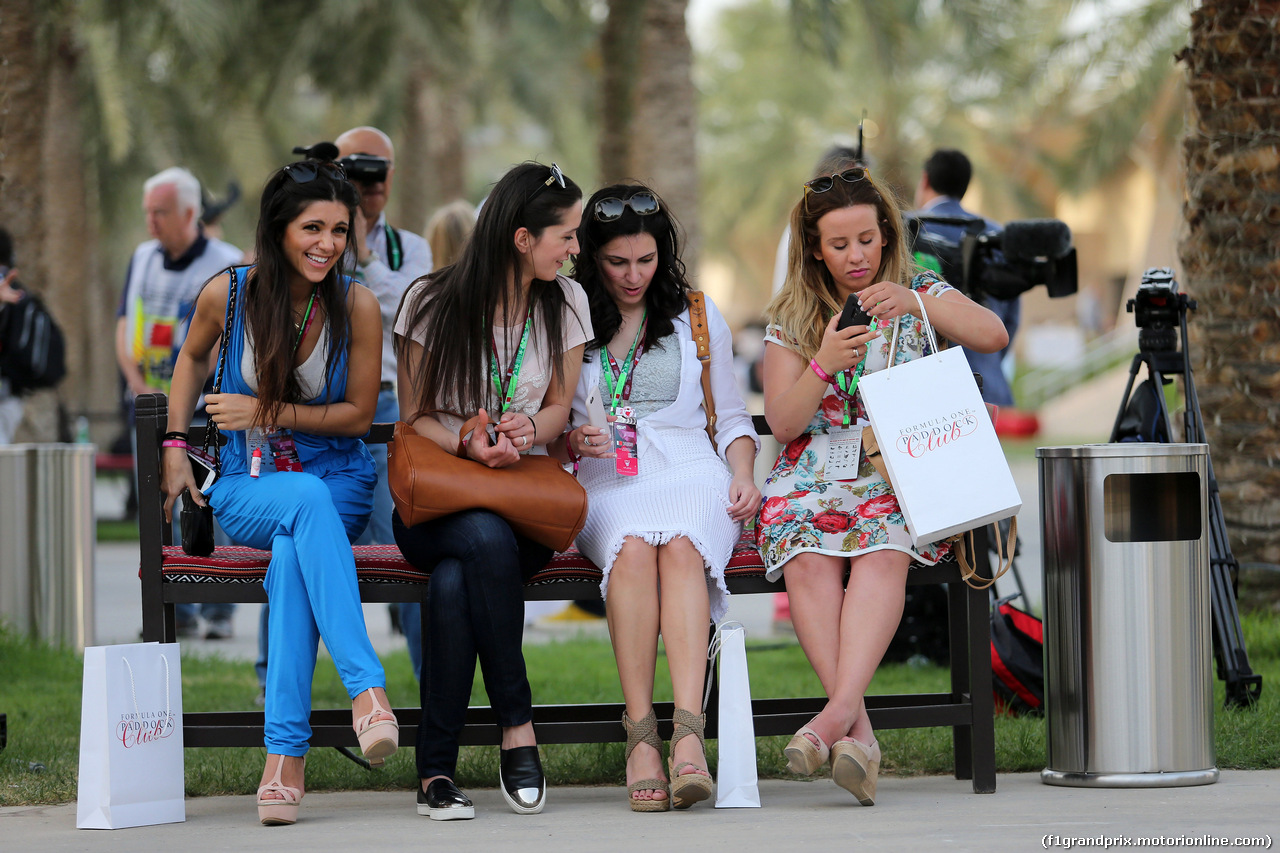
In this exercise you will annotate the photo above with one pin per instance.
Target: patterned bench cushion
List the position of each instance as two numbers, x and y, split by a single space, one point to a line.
385 564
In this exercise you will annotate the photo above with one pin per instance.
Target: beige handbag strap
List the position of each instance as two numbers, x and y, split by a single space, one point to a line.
1004 555
702 337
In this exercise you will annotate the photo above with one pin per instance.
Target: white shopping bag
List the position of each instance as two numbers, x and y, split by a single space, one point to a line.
939 444
736 786
131 770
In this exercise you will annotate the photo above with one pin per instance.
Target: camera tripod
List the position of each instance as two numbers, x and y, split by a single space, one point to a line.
1157 349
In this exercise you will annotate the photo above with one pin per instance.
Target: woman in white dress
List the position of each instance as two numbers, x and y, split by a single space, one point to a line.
664 535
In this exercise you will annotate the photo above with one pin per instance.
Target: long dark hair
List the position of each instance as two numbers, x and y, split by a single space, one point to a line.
668 293
457 304
268 306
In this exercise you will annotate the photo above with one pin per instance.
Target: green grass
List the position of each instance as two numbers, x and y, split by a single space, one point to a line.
118 531
40 692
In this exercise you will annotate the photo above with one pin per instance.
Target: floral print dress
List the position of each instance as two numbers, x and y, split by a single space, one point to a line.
802 511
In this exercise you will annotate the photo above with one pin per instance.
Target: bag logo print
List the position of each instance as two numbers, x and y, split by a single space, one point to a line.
921 438
144 728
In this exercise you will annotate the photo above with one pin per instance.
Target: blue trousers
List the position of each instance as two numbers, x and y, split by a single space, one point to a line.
307 520
379 530
475 605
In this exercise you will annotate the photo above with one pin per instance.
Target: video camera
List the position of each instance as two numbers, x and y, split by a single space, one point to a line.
1003 264
361 168
1158 309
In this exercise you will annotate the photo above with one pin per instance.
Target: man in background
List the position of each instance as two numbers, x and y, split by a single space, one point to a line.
943 183
165 275
10 293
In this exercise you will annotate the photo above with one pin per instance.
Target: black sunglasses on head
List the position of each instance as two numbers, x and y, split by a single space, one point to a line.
609 209
826 182
556 177
305 171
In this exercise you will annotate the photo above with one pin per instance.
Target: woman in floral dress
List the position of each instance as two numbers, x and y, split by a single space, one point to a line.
822 518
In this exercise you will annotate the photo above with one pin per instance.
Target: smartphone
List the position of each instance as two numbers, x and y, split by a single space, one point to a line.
202 468
853 315
595 408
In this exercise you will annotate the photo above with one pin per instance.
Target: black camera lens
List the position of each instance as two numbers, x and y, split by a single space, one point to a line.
365 168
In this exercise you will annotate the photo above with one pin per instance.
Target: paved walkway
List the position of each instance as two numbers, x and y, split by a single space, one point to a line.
916 813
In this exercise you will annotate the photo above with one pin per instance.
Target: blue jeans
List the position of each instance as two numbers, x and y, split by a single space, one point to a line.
379 529
312 587
475 604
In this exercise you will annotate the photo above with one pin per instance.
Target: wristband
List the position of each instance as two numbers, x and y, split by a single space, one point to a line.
822 374
175 434
173 442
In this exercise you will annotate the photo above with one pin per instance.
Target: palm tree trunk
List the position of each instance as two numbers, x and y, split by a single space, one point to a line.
664 119
431 162
1231 257
619 51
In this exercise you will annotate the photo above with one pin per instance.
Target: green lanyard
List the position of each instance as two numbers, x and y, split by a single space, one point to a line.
850 379
513 372
617 386
306 322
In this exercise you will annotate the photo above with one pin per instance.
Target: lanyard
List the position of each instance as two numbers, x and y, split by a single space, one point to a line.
618 379
513 370
306 323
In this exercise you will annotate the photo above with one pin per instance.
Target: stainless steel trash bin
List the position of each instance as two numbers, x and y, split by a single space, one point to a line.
47 539
1128 656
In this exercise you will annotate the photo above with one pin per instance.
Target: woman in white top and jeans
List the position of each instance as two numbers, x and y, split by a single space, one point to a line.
664 536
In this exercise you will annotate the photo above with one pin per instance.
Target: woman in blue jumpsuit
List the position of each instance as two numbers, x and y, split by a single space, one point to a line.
298 389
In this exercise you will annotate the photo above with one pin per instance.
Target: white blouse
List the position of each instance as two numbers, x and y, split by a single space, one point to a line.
687 412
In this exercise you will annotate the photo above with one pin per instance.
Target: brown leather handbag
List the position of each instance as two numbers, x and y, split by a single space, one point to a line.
537 497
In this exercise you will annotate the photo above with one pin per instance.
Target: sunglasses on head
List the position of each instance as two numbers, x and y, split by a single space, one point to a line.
556 177
826 182
305 171
609 209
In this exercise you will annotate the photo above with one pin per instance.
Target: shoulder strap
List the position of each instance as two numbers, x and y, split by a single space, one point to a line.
702 337
395 254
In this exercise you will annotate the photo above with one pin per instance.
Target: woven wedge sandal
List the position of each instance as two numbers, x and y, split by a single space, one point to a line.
645 730
692 787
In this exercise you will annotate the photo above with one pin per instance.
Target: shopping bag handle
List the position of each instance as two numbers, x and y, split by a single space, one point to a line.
168 711
713 651
928 330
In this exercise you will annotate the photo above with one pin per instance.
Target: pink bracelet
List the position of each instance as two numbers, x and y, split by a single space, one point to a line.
822 374
173 442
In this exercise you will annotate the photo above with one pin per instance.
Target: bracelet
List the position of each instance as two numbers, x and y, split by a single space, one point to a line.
181 436
822 374
533 424
173 442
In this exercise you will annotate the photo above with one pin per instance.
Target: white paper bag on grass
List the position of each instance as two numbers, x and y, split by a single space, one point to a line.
736 781
131 762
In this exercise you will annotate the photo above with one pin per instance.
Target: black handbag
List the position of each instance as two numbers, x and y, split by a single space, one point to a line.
197 521
197 527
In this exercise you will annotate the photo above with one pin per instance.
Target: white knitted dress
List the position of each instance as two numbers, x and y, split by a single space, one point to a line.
682 488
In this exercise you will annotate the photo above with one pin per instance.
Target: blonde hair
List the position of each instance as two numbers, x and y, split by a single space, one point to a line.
448 230
809 296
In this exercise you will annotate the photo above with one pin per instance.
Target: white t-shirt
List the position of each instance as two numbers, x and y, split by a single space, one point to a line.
536 371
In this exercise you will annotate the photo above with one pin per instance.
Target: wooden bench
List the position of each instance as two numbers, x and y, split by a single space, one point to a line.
170 577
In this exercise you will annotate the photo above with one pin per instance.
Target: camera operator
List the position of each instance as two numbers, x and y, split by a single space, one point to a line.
943 183
388 260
